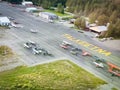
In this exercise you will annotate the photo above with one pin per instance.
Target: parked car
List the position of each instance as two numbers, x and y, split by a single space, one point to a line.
33 31
75 51
98 59
66 43
99 64
64 46
37 50
29 44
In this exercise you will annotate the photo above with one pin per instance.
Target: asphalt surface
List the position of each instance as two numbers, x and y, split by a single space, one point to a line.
49 37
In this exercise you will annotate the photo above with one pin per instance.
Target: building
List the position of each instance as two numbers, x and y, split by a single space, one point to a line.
30 9
98 29
48 16
27 3
4 21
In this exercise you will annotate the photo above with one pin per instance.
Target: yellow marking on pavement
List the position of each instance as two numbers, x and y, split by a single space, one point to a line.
94 48
86 44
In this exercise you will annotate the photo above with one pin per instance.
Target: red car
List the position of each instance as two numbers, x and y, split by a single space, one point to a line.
64 46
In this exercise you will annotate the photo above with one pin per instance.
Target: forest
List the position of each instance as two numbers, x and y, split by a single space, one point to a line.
102 11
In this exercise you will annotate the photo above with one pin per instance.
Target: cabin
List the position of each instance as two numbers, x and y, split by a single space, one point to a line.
4 21
98 29
27 3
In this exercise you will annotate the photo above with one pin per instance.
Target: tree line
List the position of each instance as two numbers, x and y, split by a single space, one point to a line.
102 11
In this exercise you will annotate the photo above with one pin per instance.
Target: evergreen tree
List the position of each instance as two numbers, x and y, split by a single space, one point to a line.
102 20
111 31
113 17
80 23
77 22
60 8
92 17
117 27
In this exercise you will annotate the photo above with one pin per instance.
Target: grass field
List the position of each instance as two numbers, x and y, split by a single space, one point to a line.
59 75
58 14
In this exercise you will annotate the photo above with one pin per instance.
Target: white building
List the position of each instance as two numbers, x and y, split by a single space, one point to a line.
4 21
30 9
48 16
27 3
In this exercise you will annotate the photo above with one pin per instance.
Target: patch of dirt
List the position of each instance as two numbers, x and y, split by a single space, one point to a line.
9 63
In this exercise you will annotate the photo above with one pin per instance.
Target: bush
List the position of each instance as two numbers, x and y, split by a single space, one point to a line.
5 50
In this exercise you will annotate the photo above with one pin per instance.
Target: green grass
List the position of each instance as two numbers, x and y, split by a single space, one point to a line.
114 89
59 75
58 14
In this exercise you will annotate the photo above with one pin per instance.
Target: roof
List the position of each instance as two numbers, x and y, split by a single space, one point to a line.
99 28
31 8
4 19
27 2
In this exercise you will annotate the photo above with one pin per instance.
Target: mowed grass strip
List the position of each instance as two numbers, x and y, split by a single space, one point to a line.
55 12
58 75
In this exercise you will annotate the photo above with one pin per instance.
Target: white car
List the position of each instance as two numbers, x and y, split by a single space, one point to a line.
37 50
29 44
66 43
33 31
99 64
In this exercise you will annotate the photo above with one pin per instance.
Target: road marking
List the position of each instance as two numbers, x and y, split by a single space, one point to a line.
88 45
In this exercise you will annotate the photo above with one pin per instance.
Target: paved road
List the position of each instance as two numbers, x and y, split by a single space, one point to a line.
50 36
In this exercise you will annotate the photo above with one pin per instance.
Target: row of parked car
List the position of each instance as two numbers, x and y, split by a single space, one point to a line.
36 49
77 51
73 50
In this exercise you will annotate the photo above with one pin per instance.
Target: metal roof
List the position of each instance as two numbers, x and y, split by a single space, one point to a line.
4 19
99 28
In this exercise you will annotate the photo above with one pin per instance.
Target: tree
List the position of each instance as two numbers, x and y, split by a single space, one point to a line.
102 20
93 17
15 1
86 10
111 31
117 29
60 8
77 22
83 23
80 23
113 17
45 4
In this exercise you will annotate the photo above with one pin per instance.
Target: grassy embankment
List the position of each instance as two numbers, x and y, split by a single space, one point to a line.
60 75
65 15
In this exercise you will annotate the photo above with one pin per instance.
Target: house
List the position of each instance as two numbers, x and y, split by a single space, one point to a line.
98 29
27 3
4 21
30 9
48 16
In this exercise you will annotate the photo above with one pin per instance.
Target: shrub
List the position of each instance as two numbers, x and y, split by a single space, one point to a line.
5 50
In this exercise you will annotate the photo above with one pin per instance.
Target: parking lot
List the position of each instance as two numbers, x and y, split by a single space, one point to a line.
50 36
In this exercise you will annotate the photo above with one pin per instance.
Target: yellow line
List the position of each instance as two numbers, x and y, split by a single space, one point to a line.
86 44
